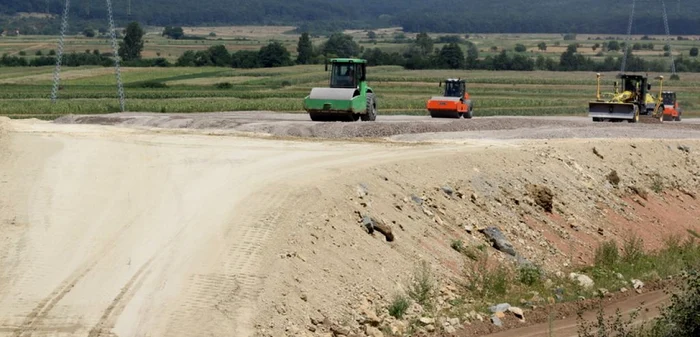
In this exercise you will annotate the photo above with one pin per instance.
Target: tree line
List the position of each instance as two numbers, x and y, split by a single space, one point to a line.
421 53
321 16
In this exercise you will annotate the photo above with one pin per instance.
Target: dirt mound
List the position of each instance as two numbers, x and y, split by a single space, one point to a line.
551 201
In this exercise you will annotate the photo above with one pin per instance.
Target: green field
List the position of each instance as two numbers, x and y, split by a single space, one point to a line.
25 92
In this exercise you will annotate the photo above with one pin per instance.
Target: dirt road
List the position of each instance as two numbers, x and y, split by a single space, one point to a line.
648 305
135 231
120 231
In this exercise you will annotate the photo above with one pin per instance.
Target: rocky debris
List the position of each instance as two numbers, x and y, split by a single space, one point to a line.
370 225
595 152
684 148
542 195
583 280
640 191
418 200
518 313
429 328
496 321
498 240
604 292
623 290
637 285
450 329
338 330
426 321
373 332
613 178
369 316
474 198
397 328
499 307
688 192
362 191
448 190
453 321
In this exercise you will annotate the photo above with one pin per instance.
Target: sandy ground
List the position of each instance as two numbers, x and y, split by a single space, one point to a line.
197 228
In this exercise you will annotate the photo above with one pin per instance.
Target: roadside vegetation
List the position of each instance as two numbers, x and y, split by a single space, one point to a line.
617 267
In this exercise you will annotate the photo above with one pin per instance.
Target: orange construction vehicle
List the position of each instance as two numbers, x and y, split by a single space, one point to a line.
672 112
455 102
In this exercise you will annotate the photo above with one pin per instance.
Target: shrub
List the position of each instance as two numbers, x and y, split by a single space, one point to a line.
529 275
224 85
153 84
607 255
399 305
422 287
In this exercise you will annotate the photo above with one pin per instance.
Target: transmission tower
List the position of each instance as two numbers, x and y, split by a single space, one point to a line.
128 9
668 37
87 7
59 55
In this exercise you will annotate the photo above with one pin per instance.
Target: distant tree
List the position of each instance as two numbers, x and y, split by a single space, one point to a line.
219 56
451 56
371 35
472 56
132 45
38 53
494 48
88 32
102 30
613 45
636 46
542 46
595 46
187 59
274 55
520 48
174 33
212 34
96 52
569 37
340 45
694 51
305 49
424 42
52 52
667 47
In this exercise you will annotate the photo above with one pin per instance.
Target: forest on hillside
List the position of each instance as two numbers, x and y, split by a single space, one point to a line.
326 16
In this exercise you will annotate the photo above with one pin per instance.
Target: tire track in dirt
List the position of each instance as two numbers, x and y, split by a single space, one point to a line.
230 291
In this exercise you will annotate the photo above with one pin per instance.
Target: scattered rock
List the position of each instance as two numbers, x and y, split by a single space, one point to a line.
603 292
450 329
637 284
498 240
582 280
426 321
595 151
469 228
684 148
418 200
500 314
474 197
499 307
361 190
518 313
453 321
373 332
623 290
429 328
613 178
303 297
340 330
370 316
370 224
543 196
398 328
619 276
496 321
640 191
601 231
448 190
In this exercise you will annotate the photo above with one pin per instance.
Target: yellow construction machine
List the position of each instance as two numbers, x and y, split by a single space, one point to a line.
632 101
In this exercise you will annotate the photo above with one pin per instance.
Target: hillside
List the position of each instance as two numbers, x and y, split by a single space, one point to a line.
468 16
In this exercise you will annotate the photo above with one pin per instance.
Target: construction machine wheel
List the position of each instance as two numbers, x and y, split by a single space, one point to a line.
636 116
469 114
371 114
597 119
444 114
